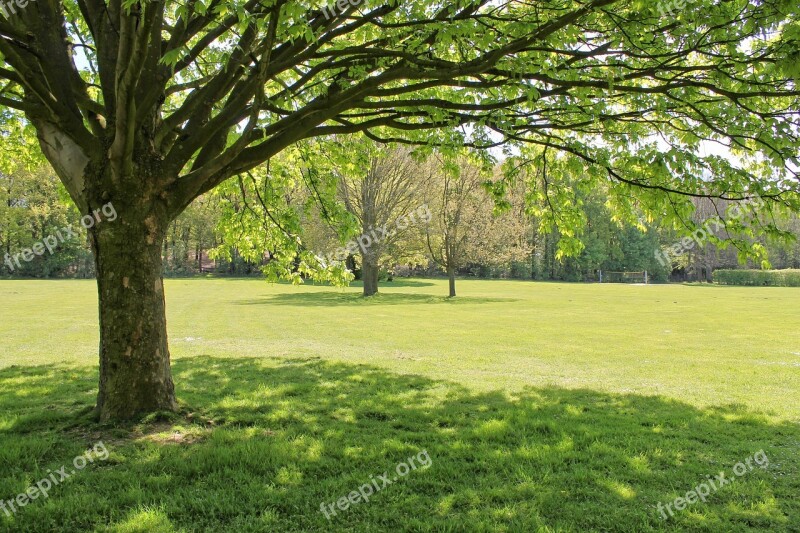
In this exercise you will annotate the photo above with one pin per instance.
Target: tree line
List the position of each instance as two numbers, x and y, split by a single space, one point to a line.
277 220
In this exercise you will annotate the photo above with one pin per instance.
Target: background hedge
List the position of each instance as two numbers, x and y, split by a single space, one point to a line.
770 278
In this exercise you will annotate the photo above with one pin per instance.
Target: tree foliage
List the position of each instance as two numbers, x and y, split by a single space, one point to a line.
211 89
388 187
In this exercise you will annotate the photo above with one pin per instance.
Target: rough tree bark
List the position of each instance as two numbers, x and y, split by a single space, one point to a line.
451 275
369 273
135 375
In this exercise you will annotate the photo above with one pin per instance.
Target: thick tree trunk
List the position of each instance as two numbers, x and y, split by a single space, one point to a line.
369 273
451 274
135 376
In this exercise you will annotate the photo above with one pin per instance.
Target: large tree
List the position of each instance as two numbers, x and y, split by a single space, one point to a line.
390 187
148 104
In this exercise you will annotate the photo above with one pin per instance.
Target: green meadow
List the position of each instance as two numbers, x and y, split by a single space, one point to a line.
542 406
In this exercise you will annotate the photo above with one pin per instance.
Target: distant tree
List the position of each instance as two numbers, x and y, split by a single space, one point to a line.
498 235
192 235
464 227
389 189
786 254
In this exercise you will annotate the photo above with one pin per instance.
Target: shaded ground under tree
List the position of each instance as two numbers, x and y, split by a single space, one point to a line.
261 443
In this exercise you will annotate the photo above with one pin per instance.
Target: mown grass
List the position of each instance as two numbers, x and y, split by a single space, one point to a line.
543 407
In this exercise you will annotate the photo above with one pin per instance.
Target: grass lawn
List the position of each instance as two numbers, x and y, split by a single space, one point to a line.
541 407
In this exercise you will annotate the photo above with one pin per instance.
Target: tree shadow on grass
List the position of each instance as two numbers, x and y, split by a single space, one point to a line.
400 282
327 299
262 443
396 282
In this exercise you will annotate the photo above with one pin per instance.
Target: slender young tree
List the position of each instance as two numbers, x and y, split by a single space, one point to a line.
457 200
149 104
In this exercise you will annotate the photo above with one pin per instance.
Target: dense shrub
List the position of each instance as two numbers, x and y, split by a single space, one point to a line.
770 278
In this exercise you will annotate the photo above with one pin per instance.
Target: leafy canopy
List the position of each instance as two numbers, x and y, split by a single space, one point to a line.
173 98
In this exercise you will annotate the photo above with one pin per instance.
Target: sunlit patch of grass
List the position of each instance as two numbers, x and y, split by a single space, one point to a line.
145 520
